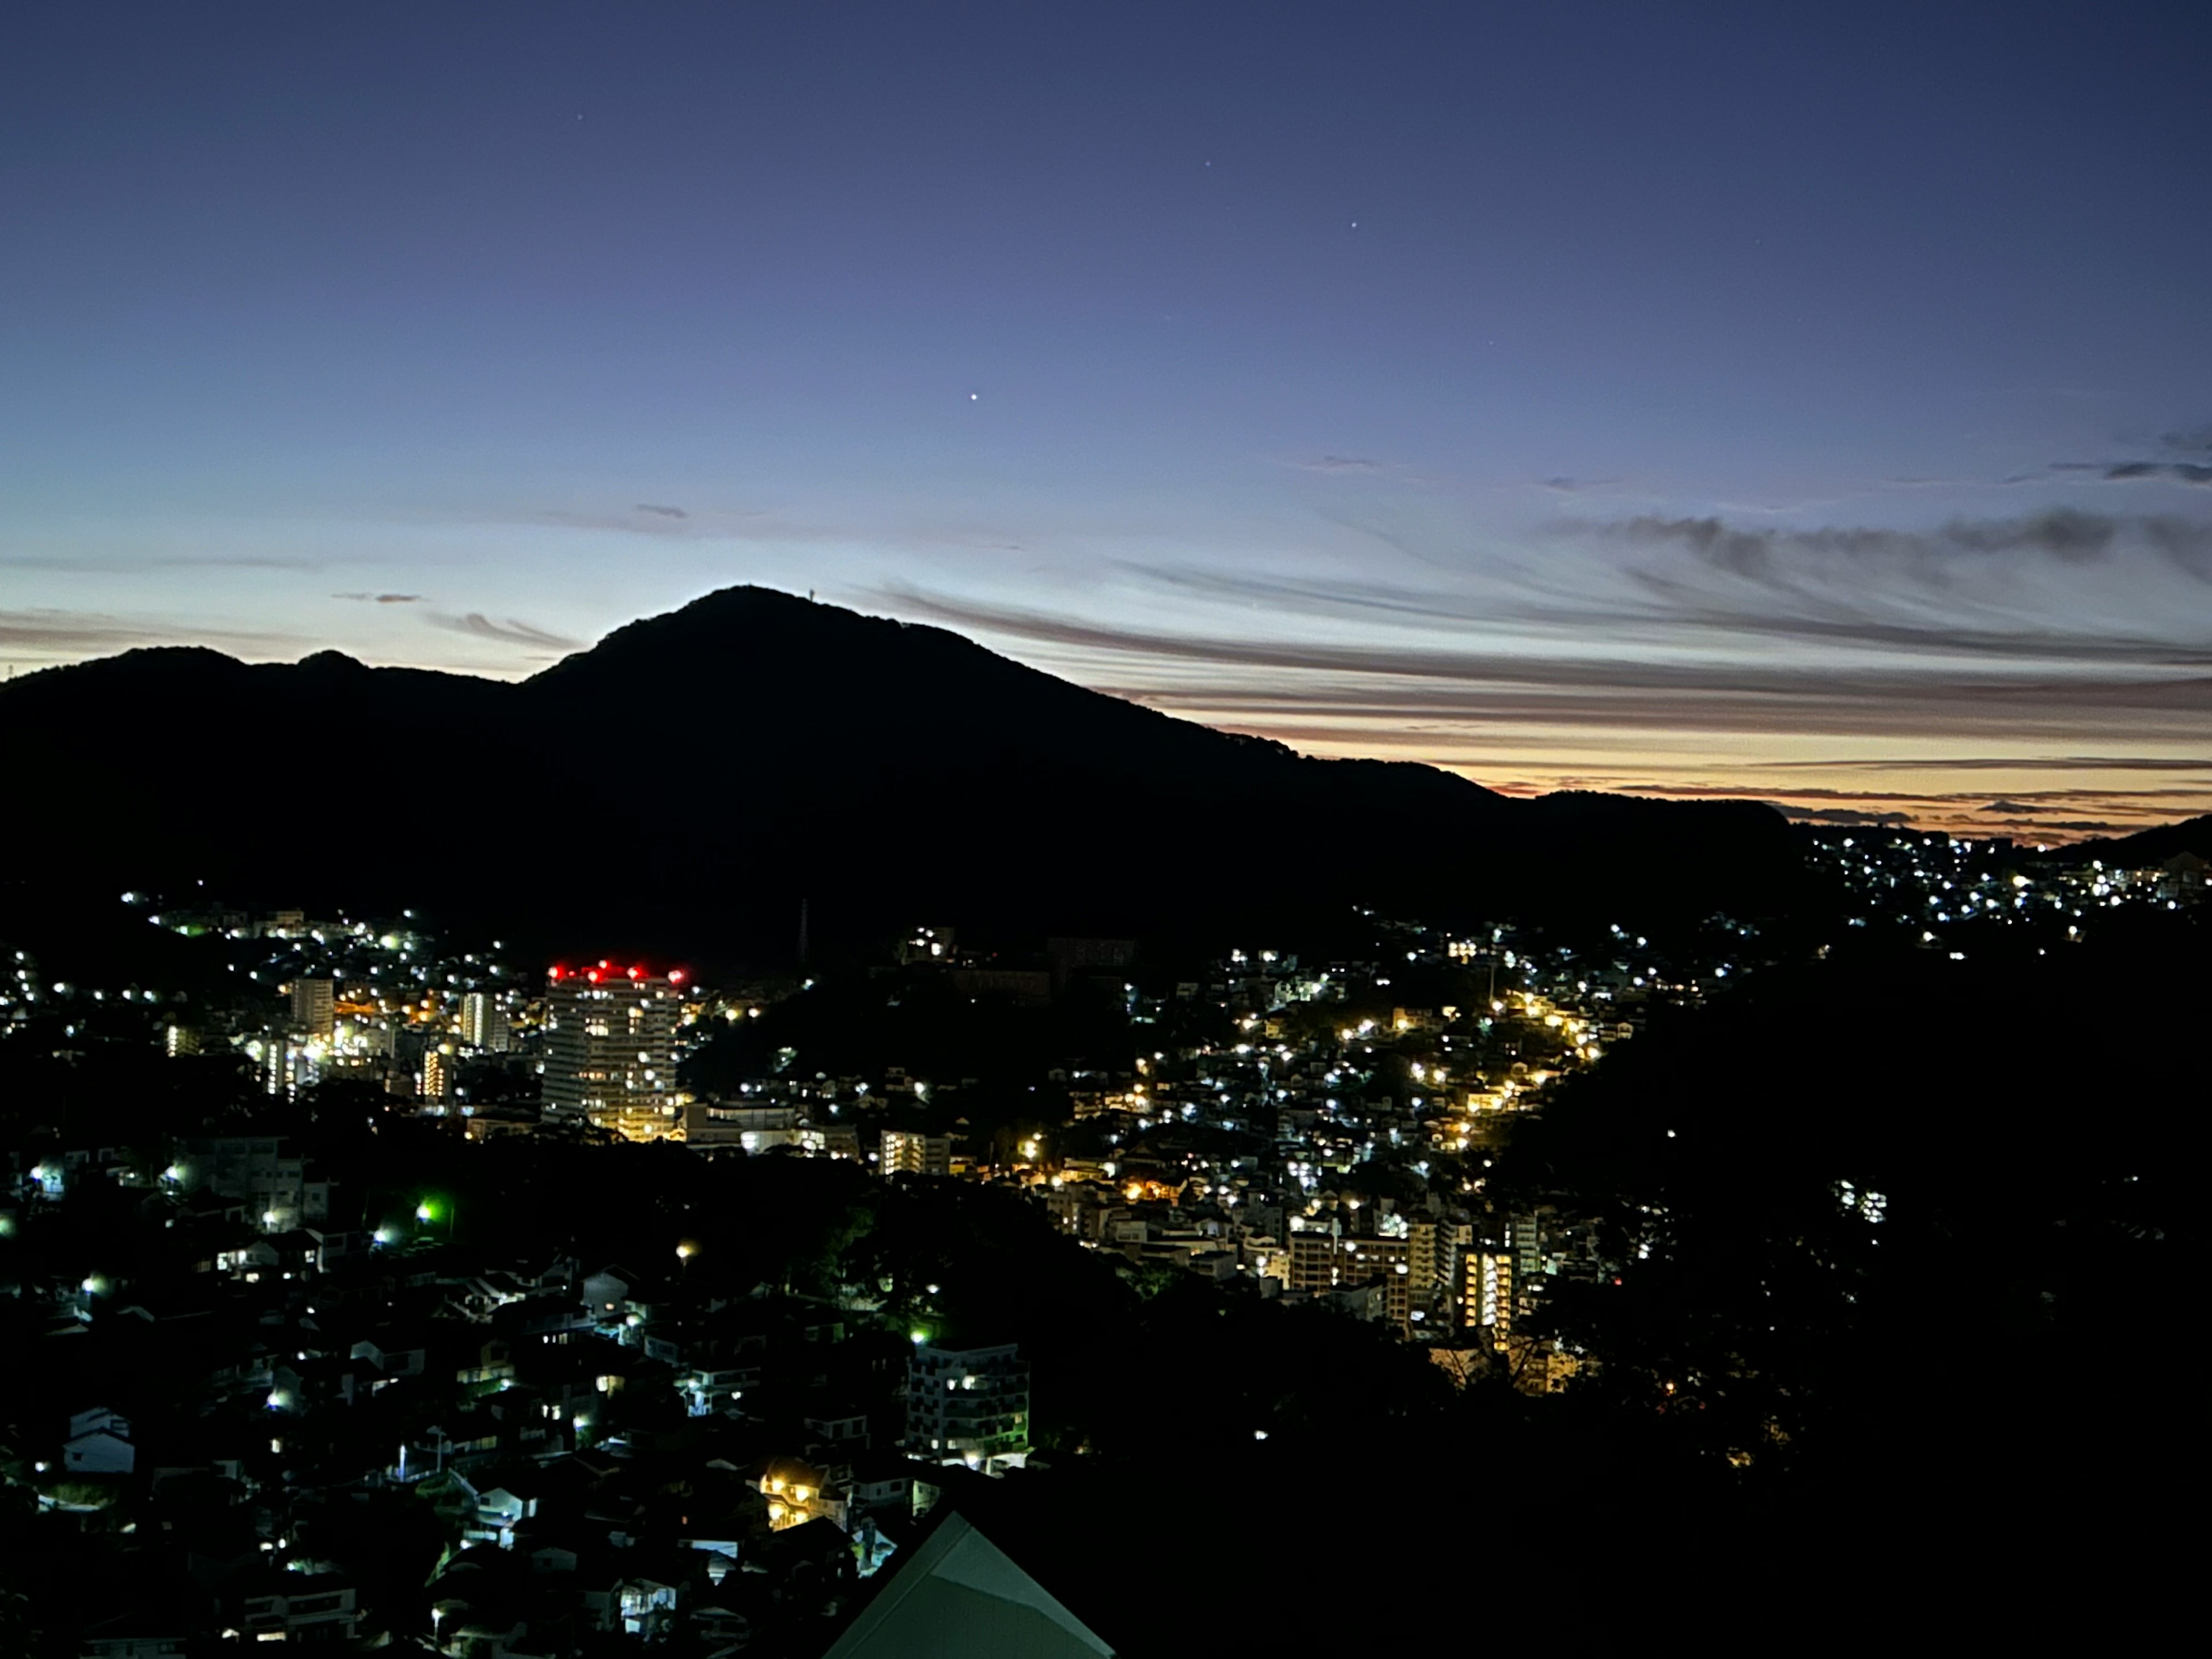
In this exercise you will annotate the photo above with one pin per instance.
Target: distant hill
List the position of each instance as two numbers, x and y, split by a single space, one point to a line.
682 785
2145 847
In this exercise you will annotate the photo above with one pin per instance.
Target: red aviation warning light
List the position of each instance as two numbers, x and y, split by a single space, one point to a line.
608 970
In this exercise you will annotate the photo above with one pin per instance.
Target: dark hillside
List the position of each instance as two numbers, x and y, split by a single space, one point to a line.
682 784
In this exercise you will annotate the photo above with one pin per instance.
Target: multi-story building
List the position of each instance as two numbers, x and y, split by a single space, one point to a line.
1323 1262
259 1173
751 1128
437 1074
909 1151
927 944
315 1007
484 1025
1435 1250
968 1406
1486 1293
610 1049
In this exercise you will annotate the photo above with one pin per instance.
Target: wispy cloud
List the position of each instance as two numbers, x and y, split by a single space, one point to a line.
638 520
511 631
1669 610
2006 763
2187 472
2050 644
1843 815
1335 464
1384 681
659 512
90 633
1770 553
380 598
2183 457
108 565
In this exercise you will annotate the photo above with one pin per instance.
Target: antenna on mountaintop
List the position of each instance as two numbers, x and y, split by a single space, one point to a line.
802 932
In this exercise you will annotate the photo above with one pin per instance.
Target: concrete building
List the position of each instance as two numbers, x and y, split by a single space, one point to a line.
1486 1293
1435 1252
1319 1262
908 1151
484 1025
315 1007
968 1406
610 1049
708 1124
295 1607
256 1171
99 1444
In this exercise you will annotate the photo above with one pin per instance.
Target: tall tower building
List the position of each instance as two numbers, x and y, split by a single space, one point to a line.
610 1049
315 1007
1486 1300
483 1023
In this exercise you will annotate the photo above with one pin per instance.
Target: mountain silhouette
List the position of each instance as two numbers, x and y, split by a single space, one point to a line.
2145 847
682 784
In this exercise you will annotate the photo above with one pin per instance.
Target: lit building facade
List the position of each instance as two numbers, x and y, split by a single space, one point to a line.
1487 1294
908 1151
314 1006
968 1406
610 1049
1319 1262
484 1025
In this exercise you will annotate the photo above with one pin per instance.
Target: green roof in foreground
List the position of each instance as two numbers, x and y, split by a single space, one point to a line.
960 1597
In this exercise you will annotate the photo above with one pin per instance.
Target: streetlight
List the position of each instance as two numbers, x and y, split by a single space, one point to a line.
683 1255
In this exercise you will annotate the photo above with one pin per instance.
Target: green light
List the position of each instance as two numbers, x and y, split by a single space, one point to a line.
918 1336
423 1212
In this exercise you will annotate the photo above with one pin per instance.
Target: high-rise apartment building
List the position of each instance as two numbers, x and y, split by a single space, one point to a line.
1487 1297
315 1007
1435 1282
483 1023
968 1406
610 1049
1325 1261
909 1151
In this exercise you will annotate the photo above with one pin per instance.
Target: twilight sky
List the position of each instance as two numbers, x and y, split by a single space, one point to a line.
1810 403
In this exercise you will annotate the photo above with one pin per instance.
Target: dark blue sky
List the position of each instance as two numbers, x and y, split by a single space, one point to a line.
1814 403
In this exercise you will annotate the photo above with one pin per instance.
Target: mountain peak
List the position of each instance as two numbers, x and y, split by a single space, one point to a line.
333 662
758 749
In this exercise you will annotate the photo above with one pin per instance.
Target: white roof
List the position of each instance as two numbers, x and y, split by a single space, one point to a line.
959 1596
